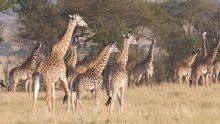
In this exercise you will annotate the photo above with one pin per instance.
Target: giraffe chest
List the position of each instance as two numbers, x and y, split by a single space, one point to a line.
204 70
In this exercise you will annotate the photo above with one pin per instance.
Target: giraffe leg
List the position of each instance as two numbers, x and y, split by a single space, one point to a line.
216 76
96 95
48 94
121 99
53 97
30 86
78 101
197 79
151 79
36 89
73 95
26 85
114 93
66 89
180 79
16 80
138 79
203 80
147 79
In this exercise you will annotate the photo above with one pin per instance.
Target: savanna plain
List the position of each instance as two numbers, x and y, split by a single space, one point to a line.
166 103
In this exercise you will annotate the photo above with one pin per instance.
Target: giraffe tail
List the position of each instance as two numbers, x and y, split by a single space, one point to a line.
109 101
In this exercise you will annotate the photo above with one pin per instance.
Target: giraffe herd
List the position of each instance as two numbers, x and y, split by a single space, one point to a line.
79 77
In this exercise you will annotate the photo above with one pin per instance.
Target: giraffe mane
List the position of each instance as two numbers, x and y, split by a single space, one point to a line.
72 50
100 55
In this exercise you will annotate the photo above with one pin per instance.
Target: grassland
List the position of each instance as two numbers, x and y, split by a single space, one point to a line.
164 104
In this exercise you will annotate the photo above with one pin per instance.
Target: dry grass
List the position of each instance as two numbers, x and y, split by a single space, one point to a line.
164 104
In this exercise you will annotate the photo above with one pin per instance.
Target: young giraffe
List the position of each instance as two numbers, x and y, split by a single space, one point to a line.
53 68
118 78
145 68
24 72
92 78
184 69
205 67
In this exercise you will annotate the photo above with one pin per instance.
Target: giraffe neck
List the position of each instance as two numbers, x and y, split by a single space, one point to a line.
73 56
211 57
204 47
60 48
31 61
123 56
149 58
189 61
100 65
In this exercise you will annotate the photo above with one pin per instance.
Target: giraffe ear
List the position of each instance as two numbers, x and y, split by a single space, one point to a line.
70 16
123 35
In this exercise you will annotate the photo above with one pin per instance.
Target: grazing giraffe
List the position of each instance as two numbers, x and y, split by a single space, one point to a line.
91 79
184 68
145 68
118 78
53 68
24 72
216 70
205 67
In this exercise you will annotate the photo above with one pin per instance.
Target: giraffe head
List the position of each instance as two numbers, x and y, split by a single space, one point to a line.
36 50
130 38
204 35
113 48
78 19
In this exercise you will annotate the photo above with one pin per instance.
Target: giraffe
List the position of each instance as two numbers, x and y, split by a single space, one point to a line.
146 67
118 78
83 66
184 68
24 71
205 67
53 68
91 79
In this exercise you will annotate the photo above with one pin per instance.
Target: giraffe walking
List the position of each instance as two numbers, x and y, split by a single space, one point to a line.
24 72
92 78
205 67
53 67
145 68
184 69
118 78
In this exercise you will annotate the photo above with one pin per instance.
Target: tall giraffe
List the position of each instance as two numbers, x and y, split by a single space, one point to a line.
118 78
205 67
92 78
25 71
145 68
184 68
53 68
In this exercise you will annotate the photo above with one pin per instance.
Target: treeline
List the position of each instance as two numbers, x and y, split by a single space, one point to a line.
176 24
